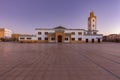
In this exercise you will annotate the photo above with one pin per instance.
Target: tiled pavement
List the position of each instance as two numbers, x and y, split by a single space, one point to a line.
47 61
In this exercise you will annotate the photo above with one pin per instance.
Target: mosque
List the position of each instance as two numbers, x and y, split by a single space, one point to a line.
65 35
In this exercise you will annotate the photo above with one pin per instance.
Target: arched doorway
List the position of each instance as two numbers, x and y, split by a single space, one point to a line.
98 40
59 38
86 40
92 40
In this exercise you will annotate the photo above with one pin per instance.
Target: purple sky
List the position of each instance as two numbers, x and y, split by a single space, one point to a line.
23 16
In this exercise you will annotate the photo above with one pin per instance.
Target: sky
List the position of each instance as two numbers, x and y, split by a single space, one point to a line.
23 16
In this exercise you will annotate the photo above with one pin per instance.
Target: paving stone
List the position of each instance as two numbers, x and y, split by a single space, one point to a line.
47 61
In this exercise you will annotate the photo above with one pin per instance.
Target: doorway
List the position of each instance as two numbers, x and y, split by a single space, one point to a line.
98 40
92 40
59 38
86 40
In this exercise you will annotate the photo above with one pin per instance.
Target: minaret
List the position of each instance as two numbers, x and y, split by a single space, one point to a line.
92 23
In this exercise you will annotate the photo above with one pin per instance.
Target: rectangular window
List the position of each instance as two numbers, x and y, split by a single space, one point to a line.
94 32
73 39
52 38
73 33
28 38
79 39
66 39
39 33
46 33
39 38
46 38
22 38
79 33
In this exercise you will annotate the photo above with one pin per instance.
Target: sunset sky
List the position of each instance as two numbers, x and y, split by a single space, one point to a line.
23 16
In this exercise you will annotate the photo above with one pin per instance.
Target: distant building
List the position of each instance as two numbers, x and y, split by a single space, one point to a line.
5 33
15 37
63 34
112 38
27 38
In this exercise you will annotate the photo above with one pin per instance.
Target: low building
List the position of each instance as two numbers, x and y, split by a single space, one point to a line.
63 34
15 37
112 38
27 38
5 33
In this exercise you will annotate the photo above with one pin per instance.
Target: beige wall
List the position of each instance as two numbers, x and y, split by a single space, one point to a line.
2 33
16 36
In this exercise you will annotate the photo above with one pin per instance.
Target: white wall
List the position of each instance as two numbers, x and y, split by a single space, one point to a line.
7 33
76 36
43 33
90 37
32 37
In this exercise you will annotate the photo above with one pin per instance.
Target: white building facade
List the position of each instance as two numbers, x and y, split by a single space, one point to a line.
65 35
5 33
8 33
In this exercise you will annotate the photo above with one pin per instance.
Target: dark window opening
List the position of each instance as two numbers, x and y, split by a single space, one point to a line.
94 33
28 38
52 38
46 33
39 33
66 39
22 38
80 33
73 33
39 38
73 39
46 38
79 39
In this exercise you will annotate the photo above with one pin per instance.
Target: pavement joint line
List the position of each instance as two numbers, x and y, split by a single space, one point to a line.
31 65
12 68
109 59
67 62
41 65
36 63
118 77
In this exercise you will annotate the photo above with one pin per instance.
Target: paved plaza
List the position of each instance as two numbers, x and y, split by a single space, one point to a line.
57 61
